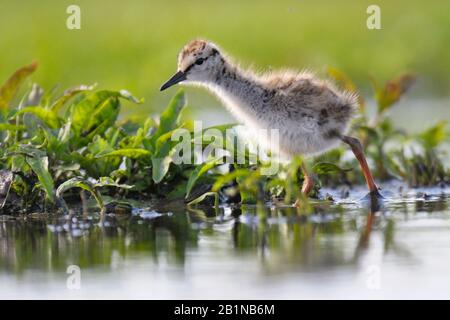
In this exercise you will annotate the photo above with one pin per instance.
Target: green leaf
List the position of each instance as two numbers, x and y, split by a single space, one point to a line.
204 196
108 182
392 91
133 153
162 156
49 117
434 136
160 167
326 168
10 87
170 117
160 144
163 144
221 127
199 171
79 182
292 190
68 94
142 133
229 177
128 96
39 165
103 117
178 192
99 146
11 127
97 112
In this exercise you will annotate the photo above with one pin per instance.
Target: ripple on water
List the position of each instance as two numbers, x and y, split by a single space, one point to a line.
240 252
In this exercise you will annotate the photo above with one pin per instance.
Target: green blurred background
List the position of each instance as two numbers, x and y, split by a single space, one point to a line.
133 44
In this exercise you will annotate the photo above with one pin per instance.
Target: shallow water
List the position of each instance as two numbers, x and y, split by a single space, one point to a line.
341 250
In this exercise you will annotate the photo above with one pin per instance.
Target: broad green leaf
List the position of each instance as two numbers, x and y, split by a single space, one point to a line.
68 94
39 165
160 167
142 133
99 145
97 112
64 169
97 167
102 118
79 182
49 117
29 150
10 87
169 119
162 157
133 153
199 171
163 143
81 113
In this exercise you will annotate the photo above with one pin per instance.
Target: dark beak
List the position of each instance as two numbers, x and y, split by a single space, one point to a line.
177 77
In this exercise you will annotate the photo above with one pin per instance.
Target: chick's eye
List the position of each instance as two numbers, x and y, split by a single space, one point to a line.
199 61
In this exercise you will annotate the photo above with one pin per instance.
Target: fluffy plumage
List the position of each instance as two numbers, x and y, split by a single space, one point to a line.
310 114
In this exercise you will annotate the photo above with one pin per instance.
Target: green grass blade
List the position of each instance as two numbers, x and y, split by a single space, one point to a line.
39 165
133 153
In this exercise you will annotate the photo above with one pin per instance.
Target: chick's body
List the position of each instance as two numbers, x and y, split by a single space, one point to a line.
310 114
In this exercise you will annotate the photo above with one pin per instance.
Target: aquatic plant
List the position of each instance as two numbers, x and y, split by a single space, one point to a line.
56 147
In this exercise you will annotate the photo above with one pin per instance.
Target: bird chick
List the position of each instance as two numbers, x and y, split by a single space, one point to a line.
311 115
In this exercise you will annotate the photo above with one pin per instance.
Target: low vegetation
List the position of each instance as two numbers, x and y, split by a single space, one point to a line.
57 147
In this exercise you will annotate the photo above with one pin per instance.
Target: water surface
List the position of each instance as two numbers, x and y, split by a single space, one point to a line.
341 250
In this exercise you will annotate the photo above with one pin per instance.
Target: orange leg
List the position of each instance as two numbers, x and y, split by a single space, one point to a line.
364 238
359 154
308 183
